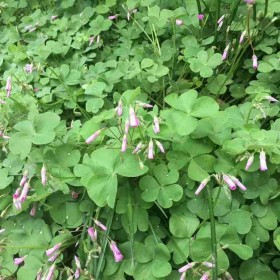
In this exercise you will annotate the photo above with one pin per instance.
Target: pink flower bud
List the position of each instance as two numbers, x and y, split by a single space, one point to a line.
126 126
187 267
144 105
2 230
91 40
9 86
77 273
225 53
238 183
18 261
202 185
54 17
24 178
156 125
44 175
53 249
179 22
138 148
116 252
17 193
3 102
208 264
32 29
51 272
98 39
33 211
53 257
250 2
119 108
263 165
74 194
270 98
112 17
133 120
200 17
24 192
243 34
103 227
77 262
39 274
228 276
151 150
124 143
229 182
160 146
220 22
92 233
183 276
249 162
205 276
93 137
255 61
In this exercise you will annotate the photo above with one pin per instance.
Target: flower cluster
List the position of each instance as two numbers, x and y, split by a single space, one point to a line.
183 270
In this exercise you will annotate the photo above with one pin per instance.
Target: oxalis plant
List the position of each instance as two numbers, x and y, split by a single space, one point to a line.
140 139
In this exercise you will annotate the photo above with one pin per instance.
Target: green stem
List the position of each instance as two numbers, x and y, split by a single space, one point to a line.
265 7
213 234
198 6
248 116
217 18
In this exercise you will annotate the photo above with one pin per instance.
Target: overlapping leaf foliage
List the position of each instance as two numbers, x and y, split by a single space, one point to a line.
212 112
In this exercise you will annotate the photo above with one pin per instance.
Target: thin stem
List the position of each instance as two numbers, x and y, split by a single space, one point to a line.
217 18
265 8
213 234
198 6
248 116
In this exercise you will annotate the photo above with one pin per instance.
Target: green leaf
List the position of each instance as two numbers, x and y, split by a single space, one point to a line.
242 251
241 220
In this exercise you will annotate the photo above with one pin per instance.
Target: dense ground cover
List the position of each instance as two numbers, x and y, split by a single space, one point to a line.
140 139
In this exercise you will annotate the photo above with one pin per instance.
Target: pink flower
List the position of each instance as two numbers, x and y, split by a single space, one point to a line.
24 178
243 34
8 86
39 274
179 22
263 165
200 17
33 211
51 272
205 276
112 17
44 175
103 227
93 136
249 162
124 143
160 146
186 267
28 68
229 182
270 98
24 192
92 233
144 105
119 108
156 125
255 61
183 276
91 40
202 185
133 120
53 249
116 252
151 150
238 183
225 53
138 148
18 261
